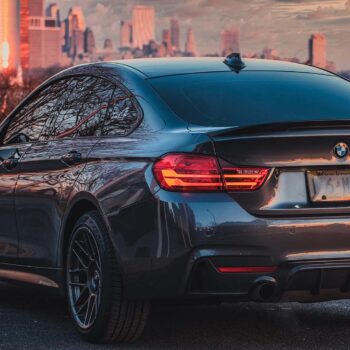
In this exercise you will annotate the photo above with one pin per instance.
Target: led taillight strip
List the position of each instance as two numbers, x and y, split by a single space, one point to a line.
247 269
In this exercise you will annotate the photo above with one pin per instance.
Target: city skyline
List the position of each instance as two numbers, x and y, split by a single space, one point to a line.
284 25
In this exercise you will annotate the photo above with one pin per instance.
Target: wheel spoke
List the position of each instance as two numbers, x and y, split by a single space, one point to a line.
89 309
78 284
79 258
83 250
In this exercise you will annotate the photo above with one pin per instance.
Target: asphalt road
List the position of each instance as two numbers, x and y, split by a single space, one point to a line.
36 319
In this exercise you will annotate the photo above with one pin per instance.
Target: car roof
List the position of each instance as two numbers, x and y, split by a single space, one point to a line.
157 67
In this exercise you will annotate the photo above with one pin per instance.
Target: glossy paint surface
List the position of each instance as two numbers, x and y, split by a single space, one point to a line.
159 236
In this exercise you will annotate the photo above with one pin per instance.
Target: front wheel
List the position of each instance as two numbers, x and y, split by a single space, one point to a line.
96 301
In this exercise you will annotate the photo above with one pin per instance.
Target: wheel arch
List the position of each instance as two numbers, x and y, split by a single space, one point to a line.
81 204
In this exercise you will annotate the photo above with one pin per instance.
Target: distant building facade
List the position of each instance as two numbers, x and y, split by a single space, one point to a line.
36 8
318 50
126 37
190 46
74 29
175 34
24 34
230 41
108 45
44 43
89 41
143 24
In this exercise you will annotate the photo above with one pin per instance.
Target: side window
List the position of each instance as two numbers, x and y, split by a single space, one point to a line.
83 110
27 124
123 115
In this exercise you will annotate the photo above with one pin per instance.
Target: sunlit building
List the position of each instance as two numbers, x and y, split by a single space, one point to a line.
317 50
24 34
53 11
36 8
74 29
175 34
166 39
9 34
89 41
190 46
143 24
125 34
230 41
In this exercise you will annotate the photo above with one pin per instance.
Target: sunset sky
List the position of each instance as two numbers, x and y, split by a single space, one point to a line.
281 24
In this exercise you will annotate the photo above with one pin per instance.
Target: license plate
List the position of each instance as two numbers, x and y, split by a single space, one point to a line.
329 186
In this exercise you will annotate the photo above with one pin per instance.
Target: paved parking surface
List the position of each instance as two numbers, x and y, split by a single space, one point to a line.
35 319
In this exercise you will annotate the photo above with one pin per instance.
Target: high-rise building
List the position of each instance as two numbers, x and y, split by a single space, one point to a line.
9 34
125 34
74 28
166 39
143 24
44 42
24 34
89 41
230 41
108 45
317 50
175 34
190 47
36 8
53 11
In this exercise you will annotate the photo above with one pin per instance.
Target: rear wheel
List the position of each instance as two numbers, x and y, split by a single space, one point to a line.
99 309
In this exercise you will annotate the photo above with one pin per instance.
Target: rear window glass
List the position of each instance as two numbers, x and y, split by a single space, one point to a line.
252 98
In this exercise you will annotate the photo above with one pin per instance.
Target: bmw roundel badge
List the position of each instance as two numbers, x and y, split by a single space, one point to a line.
341 150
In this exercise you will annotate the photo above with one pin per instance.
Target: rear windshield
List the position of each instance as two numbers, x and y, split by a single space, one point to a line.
253 98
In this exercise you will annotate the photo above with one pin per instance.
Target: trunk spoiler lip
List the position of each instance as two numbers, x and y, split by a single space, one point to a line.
270 127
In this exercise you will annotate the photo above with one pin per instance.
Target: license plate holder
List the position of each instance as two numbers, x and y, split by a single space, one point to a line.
329 185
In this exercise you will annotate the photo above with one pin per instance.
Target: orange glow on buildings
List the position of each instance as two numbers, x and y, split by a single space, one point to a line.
9 34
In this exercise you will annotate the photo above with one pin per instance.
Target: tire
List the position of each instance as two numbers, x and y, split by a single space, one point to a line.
98 307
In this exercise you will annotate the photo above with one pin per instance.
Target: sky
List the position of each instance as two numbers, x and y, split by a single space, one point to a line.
284 25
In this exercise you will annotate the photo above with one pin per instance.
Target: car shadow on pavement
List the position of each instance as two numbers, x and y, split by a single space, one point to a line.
35 318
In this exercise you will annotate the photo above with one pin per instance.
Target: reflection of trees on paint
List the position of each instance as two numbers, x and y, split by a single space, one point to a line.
76 106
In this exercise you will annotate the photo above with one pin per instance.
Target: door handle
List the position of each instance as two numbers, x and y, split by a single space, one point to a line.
10 163
72 157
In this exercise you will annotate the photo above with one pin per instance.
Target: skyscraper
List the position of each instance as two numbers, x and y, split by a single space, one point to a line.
9 34
190 47
53 11
125 34
108 45
166 39
89 41
175 33
74 27
143 18
36 8
24 34
44 42
317 50
230 41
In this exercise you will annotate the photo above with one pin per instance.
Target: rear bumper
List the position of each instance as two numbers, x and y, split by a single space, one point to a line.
182 240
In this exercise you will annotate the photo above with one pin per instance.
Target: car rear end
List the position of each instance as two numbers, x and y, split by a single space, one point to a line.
266 214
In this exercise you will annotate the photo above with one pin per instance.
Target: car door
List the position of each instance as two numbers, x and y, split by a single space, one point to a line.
50 167
21 132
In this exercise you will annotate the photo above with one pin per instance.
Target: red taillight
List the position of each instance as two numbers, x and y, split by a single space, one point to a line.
186 172
248 269
244 178
198 173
